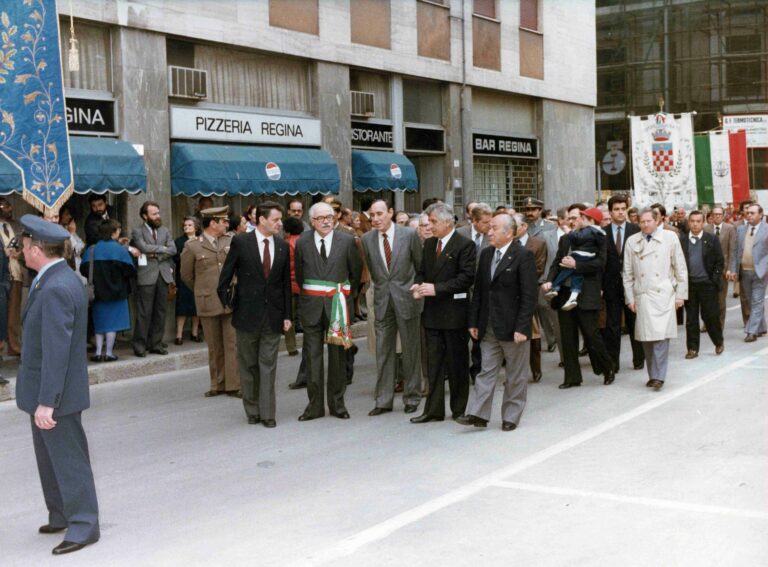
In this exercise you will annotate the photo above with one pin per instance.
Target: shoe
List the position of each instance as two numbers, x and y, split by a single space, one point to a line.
719 349
552 347
378 411
657 384
560 365
551 294
568 305
691 354
411 408
471 420
139 353
353 349
213 393
703 329
235 394
67 547
308 417
583 352
253 420
750 338
197 338
343 414
3 381
269 423
566 386
609 377
97 358
735 295
293 353
639 366
649 383
399 387
762 334
297 385
109 358
426 419
178 341
49 529
535 378
508 426
159 350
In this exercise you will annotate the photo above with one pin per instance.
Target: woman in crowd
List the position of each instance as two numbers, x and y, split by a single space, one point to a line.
185 299
250 215
112 272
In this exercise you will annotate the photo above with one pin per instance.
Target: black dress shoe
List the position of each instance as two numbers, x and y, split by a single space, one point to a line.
508 426
639 366
566 386
536 377
719 349
212 393
343 414
750 338
270 423
235 394
308 417
584 352
160 350
691 354
197 338
178 341
561 365
378 411
67 547
609 377
49 529
552 347
293 353
410 408
657 384
139 353
3 381
109 358
97 358
297 385
649 383
253 420
471 420
426 419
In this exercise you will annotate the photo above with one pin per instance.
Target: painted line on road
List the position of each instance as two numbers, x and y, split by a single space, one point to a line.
652 502
351 544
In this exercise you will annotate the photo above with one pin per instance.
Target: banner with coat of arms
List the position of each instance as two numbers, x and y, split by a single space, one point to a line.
663 163
33 129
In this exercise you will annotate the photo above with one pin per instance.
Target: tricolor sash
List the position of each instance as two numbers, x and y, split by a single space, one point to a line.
339 329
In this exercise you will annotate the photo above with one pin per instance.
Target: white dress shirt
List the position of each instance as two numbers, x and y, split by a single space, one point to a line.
260 239
503 251
523 241
445 240
391 237
328 238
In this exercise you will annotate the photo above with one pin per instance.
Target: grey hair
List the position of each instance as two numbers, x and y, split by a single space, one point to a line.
480 210
509 222
423 217
314 209
655 212
442 211
518 218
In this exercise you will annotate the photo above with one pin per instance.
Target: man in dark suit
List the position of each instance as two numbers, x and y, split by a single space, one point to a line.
393 254
726 234
444 280
327 266
52 385
100 211
500 317
154 275
705 262
613 284
584 316
262 307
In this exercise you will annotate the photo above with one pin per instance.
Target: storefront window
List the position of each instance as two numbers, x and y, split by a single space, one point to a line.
500 181
95 72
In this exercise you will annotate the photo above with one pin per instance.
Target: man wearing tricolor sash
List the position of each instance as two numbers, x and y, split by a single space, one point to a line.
328 267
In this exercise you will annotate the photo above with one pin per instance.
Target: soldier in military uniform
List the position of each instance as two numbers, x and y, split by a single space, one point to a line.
201 263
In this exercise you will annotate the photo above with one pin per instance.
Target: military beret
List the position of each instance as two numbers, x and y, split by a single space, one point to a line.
216 212
532 203
40 229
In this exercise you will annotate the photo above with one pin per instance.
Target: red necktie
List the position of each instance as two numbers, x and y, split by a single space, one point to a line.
387 250
439 247
266 259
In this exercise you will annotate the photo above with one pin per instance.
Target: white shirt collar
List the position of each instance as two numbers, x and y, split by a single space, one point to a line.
447 237
390 232
523 239
328 238
691 237
504 248
756 227
261 237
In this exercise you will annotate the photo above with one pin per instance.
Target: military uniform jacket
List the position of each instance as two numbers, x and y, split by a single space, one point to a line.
201 266
53 370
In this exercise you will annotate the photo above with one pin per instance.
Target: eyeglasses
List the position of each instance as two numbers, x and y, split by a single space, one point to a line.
326 218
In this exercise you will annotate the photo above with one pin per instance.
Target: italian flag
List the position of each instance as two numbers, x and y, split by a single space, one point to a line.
722 174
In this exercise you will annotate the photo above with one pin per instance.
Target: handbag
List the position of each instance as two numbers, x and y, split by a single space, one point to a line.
91 287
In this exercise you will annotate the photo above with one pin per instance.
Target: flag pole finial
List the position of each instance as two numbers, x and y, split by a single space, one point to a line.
661 104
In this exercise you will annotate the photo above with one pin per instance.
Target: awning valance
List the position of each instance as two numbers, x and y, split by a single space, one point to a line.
100 165
378 171
213 169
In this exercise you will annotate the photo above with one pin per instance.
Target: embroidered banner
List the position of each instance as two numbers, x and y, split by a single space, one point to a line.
33 129
663 163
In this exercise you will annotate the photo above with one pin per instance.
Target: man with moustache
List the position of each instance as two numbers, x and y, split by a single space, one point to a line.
726 234
261 303
154 275
749 266
327 267
532 209
503 301
444 280
393 254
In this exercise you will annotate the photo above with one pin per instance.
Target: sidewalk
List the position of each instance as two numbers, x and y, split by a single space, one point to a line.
184 357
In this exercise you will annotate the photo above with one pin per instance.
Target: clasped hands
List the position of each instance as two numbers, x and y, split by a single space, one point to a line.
423 290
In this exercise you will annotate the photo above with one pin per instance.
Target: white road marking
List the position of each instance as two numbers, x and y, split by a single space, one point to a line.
652 502
351 544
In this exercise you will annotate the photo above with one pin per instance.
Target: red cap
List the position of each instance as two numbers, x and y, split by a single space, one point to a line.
594 213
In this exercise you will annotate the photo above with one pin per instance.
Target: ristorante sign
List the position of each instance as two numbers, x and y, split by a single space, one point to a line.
367 135
243 127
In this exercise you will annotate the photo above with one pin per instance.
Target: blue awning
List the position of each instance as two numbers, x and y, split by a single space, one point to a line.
212 169
378 171
101 165
106 165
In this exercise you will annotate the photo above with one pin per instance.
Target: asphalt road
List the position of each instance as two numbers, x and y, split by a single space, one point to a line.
597 475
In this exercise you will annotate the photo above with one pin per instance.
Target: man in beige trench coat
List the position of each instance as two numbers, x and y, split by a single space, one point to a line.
655 285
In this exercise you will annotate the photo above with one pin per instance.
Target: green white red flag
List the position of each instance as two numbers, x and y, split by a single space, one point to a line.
722 173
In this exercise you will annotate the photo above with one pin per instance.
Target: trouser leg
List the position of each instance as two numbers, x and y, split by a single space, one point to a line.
229 341
248 360
516 385
710 313
314 338
386 338
269 344
612 331
692 306
458 369
569 336
410 335
480 400
337 378
214 340
145 296
638 354
159 307
436 362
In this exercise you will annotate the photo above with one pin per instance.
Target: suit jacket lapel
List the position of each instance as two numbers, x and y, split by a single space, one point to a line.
506 259
399 245
445 253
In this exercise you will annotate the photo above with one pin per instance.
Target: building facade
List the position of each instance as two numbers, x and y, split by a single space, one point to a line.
490 100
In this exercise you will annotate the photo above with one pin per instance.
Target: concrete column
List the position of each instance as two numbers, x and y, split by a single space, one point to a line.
458 142
140 81
398 131
567 152
332 107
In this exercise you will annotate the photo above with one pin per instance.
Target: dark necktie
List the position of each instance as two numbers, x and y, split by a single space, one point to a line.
752 232
266 260
618 240
717 231
648 237
439 247
387 250
6 231
478 241
323 253
154 235
496 261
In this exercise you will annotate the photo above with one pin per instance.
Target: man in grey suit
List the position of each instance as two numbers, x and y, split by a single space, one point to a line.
726 233
52 385
327 265
749 265
393 254
154 274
